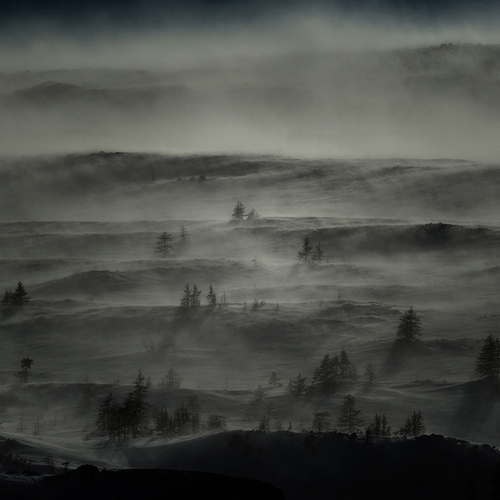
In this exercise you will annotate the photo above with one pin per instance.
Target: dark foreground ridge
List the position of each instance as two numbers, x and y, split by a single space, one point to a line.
88 482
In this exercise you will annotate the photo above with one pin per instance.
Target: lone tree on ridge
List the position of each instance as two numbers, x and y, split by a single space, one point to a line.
410 327
488 359
25 366
163 246
238 211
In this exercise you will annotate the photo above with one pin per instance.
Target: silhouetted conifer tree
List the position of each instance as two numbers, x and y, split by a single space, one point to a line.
333 372
379 427
186 297
317 253
194 408
163 422
488 359
163 246
238 211
20 296
172 379
25 367
347 371
182 419
260 393
216 422
409 327
306 250
211 297
349 420
296 387
325 376
414 425
275 380
322 421
252 214
7 297
194 299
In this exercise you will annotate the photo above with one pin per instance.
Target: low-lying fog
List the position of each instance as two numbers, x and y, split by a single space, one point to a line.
109 143
301 85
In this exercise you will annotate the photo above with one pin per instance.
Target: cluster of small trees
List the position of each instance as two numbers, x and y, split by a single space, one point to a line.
18 297
191 297
172 379
349 421
164 246
131 418
239 212
310 254
332 373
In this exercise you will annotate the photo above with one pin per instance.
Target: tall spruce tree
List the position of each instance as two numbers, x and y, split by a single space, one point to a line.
325 376
186 297
137 405
194 300
414 425
211 297
409 327
238 211
488 359
296 387
379 427
25 368
349 420
19 296
317 253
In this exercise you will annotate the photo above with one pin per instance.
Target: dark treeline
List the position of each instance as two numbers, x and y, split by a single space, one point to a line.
134 417
18 297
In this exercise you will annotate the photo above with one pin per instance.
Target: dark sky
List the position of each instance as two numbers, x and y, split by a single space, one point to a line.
135 13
